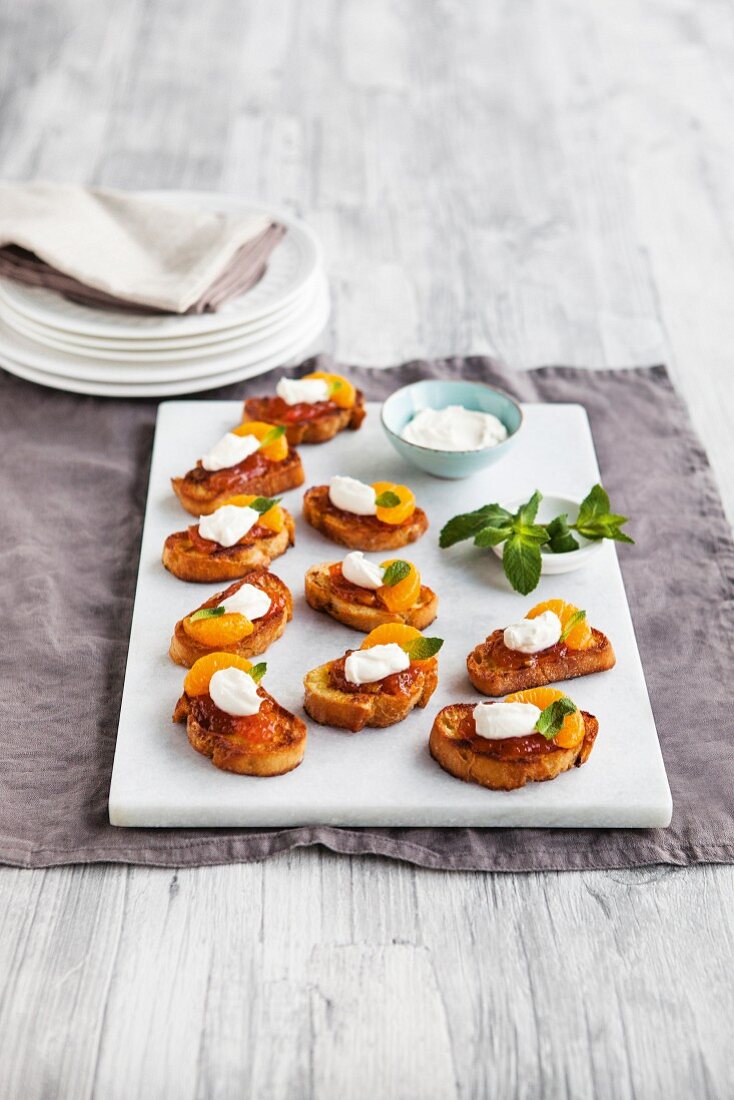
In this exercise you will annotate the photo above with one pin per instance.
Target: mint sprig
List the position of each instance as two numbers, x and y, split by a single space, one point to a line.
207 613
396 572
261 505
576 618
258 671
272 436
523 537
388 499
552 718
420 649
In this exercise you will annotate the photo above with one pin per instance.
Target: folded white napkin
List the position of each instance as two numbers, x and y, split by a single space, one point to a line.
133 248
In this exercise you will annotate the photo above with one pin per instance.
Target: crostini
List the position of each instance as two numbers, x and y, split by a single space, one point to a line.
553 642
530 736
382 516
244 533
394 670
363 595
312 409
253 458
244 619
232 719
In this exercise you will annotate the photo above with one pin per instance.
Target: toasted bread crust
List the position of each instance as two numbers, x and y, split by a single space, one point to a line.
201 498
321 595
276 757
331 707
187 563
359 532
319 429
457 755
493 680
185 650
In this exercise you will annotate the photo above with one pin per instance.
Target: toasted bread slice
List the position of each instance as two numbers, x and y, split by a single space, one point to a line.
237 744
491 763
369 707
185 650
323 422
227 563
558 663
359 532
202 491
322 596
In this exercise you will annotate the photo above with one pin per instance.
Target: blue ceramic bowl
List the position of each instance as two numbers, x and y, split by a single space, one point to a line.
401 406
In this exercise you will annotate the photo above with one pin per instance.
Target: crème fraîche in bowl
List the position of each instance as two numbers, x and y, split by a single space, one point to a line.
451 429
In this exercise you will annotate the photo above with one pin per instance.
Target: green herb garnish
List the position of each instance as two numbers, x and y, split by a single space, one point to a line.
551 719
272 436
420 649
258 671
207 613
560 539
395 573
388 499
261 505
595 521
577 617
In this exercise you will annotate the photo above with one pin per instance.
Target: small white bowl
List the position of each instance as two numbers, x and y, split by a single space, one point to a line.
550 507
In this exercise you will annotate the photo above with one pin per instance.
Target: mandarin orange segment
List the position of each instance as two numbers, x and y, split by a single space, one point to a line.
227 629
402 511
390 632
201 672
276 451
341 390
401 596
580 636
572 730
273 519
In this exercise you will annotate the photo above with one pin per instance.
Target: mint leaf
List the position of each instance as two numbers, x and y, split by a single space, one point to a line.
576 618
420 649
522 562
388 499
258 671
551 719
560 539
272 436
468 524
395 573
595 503
527 512
207 613
492 536
261 505
596 522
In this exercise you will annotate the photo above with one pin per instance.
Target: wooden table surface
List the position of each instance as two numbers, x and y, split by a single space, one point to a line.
550 182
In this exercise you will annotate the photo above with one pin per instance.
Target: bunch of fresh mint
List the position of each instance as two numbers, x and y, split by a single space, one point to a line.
523 537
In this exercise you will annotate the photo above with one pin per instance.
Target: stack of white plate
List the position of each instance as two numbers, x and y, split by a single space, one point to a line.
49 339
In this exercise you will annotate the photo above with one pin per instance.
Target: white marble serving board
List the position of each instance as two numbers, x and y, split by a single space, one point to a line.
384 777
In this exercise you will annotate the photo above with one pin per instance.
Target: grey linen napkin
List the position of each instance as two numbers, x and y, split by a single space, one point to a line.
72 491
111 249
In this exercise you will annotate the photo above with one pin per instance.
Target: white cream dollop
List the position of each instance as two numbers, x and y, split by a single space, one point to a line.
533 635
496 721
366 666
358 570
230 450
249 600
228 524
454 429
295 390
234 692
352 496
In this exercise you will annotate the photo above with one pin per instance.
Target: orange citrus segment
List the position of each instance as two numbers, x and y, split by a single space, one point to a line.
273 519
390 632
402 511
401 596
341 391
276 451
201 672
572 730
580 636
227 629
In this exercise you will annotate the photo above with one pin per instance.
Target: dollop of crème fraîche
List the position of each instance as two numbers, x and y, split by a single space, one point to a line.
498 721
229 451
533 635
359 570
234 692
297 391
454 429
228 524
367 666
351 495
249 600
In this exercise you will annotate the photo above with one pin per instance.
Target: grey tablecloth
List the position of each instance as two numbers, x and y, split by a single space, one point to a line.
72 489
